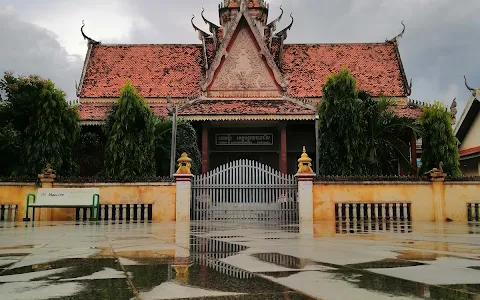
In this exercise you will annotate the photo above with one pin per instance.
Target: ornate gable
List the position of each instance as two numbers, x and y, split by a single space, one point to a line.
243 66
243 72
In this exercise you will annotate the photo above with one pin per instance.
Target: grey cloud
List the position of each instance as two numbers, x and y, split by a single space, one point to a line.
30 49
439 45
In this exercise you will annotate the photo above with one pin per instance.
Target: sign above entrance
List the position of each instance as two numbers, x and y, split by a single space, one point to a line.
235 139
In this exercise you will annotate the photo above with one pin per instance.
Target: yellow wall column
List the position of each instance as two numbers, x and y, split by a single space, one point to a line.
47 177
305 176
184 188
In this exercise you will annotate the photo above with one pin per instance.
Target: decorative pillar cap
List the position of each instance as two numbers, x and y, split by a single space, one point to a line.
305 166
184 164
48 174
437 175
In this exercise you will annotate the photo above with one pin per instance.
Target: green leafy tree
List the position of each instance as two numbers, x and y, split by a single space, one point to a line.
438 141
385 135
130 148
46 126
340 127
88 152
186 142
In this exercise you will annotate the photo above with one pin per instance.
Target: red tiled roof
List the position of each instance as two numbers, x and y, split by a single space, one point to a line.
375 66
246 107
158 71
409 111
155 70
469 151
251 3
94 111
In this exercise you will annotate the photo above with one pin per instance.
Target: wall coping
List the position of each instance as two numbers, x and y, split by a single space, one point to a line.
90 184
462 182
17 183
372 183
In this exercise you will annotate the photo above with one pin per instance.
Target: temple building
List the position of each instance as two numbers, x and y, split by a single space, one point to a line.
467 132
248 93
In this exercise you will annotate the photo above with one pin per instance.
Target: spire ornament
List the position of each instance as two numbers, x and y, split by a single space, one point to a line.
474 91
453 111
283 32
201 33
273 24
212 27
395 39
85 37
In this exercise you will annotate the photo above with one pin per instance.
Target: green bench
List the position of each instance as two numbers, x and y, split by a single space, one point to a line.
64 198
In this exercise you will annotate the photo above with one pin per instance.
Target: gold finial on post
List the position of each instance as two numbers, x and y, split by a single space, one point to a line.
305 163
184 164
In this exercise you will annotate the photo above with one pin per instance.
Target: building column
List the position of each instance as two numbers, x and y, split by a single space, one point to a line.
204 149
413 151
283 149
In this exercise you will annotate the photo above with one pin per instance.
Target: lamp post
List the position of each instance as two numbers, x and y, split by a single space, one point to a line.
173 112
317 155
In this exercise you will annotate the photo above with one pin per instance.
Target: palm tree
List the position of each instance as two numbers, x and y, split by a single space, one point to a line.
385 135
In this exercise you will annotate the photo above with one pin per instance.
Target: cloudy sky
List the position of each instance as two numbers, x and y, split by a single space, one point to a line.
438 48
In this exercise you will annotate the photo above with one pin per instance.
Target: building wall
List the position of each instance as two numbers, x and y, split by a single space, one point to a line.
16 194
470 167
472 139
429 201
161 195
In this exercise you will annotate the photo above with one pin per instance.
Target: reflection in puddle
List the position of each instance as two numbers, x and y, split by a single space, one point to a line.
384 264
282 260
211 245
366 227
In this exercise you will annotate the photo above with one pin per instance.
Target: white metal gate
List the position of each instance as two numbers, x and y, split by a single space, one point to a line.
245 190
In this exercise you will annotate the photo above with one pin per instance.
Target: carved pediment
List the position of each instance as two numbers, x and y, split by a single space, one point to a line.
243 71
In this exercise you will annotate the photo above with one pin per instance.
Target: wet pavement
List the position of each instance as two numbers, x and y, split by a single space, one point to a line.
239 261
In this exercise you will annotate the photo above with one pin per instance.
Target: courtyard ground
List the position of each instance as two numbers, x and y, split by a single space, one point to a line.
239 261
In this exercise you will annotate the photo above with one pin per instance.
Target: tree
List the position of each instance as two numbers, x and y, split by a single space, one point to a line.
384 135
130 149
46 126
439 143
186 142
340 127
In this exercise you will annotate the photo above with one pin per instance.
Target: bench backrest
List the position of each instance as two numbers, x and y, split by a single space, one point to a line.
66 197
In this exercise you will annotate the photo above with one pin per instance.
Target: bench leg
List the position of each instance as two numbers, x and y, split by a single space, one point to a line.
26 219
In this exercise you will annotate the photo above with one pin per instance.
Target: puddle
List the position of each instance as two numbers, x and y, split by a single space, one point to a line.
282 260
17 247
210 245
367 227
418 255
72 279
211 275
400 287
384 264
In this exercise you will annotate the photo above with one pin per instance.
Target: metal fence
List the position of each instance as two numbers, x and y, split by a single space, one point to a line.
245 190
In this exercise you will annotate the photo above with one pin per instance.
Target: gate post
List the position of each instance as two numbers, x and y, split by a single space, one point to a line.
183 178
305 176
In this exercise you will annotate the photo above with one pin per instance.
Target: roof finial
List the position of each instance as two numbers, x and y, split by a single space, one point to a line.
466 84
201 33
243 5
212 27
395 39
453 111
273 24
90 40
283 32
